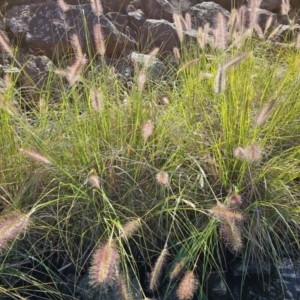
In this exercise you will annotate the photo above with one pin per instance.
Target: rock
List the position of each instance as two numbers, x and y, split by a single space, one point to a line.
206 13
136 18
228 4
107 5
158 33
112 292
290 278
48 30
271 5
36 70
162 9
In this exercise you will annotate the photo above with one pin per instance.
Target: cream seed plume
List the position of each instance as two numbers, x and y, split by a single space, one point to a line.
235 60
99 40
151 57
147 130
239 152
265 113
220 32
36 156
176 53
97 7
104 265
76 45
125 295
73 73
220 81
62 4
187 286
93 179
178 26
162 178
178 269
253 153
129 229
156 272
285 7
188 21
11 225
5 45
141 80
231 236
224 213
96 99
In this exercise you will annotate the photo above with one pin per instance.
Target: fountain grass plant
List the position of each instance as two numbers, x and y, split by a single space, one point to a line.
154 182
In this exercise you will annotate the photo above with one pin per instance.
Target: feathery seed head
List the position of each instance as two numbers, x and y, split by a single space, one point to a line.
187 286
162 178
141 80
76 45
224 213
239 152
5 45
285 7
147 130
178 25
96 99
99 40
235 200
130 228
165 101
63 6
104 265
151 57
11 225
156 272
176 53
93 179
97 7
265 112
36 156
123 288
253 153
231 236
178 269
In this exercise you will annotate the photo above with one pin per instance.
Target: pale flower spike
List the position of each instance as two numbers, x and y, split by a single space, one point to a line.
36 156
147 130
162 178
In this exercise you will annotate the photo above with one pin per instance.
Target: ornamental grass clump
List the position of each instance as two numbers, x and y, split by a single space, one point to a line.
104 266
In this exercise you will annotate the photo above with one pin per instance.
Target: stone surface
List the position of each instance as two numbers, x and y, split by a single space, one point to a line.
158 33
47 29
205 13
162 9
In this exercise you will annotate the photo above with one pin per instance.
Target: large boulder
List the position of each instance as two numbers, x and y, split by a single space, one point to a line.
162 9
158 34
46 29
206 13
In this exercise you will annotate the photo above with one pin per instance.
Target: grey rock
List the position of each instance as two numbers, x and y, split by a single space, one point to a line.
85 291
47 29
158 33
206 13
162 9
